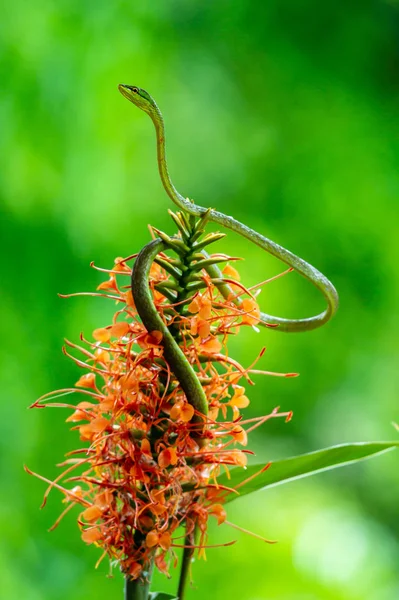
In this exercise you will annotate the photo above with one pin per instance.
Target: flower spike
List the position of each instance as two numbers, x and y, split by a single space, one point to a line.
160 416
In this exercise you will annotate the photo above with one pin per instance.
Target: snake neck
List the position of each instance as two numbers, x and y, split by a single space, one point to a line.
170 189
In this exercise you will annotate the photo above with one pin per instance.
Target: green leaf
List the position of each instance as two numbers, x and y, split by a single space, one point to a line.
296 467
161 596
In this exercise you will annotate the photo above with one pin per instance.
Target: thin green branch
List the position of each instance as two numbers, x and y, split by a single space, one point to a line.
138 589
188 552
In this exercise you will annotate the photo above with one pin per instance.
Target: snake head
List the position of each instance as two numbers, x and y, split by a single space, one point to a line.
139 97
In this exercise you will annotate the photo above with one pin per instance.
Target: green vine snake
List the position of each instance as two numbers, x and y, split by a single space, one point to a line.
150 317
145 102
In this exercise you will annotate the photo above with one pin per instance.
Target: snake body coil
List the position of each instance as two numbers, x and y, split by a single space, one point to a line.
173 354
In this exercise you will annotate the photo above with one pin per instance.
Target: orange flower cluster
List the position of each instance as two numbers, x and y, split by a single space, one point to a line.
144 470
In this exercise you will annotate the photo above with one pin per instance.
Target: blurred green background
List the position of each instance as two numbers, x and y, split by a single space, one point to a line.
283 113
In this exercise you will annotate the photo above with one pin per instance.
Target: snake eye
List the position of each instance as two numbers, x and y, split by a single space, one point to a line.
135 90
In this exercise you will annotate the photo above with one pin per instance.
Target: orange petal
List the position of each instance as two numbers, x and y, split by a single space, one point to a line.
103 499
211 346
230 271
239 458
167 457
165 540
194 326
158 496
86 433
120 329
253 313
107 404
194 306
146 522
203 328
239 390
102 356
206 308
187 412
92 513
182 411
155 270
239 400
102 334
79 414
98 425
128 297
150 340
158 297
108 285
87 381
161 563
240 435
218 511
90 536
156 337
135 570
176 410
157 509
152 538
146 446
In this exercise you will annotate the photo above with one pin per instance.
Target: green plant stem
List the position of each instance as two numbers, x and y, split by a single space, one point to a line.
138 589
186 563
